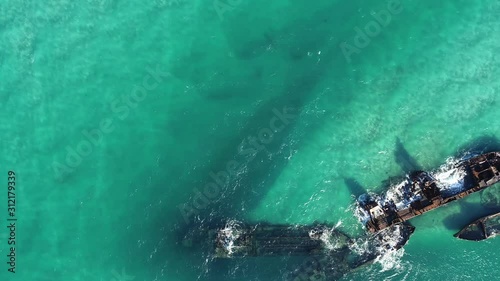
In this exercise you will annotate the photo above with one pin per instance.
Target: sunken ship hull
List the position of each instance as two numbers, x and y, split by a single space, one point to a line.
331 252
238 240
422 192
481 229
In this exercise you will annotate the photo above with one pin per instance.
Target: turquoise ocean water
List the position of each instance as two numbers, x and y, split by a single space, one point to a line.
115 114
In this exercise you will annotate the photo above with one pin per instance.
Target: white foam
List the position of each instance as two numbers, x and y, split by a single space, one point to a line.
387 255
330 239
395 193
390 260
450 177
383 246
229 234
360 246
361 214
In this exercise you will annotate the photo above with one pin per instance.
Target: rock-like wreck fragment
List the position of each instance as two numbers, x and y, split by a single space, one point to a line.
481 229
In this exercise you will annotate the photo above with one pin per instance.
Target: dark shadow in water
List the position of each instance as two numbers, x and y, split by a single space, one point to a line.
469 212
299 91
313 32
490 198
354 187
250 187
472 211
404 159
408 164
246 191
483 144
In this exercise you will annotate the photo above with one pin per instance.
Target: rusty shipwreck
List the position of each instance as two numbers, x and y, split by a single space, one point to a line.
241 240
422 191
481 229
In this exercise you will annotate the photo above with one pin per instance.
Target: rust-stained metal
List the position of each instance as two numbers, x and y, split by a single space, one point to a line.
483 228
422 192
333 252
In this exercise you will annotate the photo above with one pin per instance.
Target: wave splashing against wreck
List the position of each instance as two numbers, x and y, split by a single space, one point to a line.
388 249
229 235
450 177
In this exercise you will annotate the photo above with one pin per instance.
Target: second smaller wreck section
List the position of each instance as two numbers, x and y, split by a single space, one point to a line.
481 229
335 252
239 240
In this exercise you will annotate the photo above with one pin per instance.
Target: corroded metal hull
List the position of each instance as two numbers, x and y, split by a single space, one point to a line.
422 192
238 240
330 252
481 229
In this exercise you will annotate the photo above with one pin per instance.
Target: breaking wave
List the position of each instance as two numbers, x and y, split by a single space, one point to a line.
450 177
388 254
328 237
382 247
229 234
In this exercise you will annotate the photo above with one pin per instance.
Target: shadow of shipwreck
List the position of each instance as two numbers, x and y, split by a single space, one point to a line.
259 173
468 213
482 144
404 159
247 190
355 187
244 193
